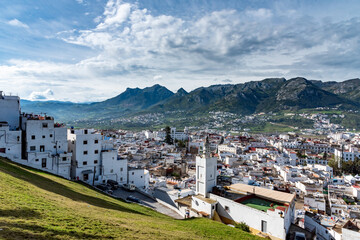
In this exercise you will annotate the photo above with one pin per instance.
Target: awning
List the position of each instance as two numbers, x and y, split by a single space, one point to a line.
87 171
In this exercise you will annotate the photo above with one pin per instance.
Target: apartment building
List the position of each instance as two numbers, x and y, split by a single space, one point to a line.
44 144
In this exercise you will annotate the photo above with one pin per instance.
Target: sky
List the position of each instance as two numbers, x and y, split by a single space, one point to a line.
91 50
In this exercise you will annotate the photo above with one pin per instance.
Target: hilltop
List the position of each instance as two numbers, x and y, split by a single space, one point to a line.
37 205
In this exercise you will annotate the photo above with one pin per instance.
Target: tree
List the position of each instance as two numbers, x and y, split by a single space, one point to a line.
168 138
181 144
335 165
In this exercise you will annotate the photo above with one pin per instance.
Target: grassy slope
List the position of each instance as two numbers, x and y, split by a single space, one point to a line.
37 205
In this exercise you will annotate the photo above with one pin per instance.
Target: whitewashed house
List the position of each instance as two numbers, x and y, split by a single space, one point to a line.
10 142
10 111
44 145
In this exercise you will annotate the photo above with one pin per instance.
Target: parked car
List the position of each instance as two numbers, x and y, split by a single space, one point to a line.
104 187
129 187
133 199
114 184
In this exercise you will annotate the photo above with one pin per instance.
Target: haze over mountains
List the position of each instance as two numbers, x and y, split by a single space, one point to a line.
272 94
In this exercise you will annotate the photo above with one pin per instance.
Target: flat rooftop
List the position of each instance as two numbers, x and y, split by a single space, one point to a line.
268 194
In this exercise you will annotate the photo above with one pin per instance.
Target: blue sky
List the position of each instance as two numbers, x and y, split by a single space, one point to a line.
82 50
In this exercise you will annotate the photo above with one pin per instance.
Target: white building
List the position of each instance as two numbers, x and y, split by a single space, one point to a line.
178 135
228 148
10 110
315 202
139 177
351 230
94 160
265 210
10 142
45 145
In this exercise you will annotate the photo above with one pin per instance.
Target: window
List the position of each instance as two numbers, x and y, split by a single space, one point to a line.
85 152
132 173
45 125
64 158
227 209
85 163
33 137
43 136
32 148
95 161
121 169
43 162
36 160
86 177
96 151
85 142
85 131
141 176
121 179
51 135
132 181
72 131
42 148
96 141
111 171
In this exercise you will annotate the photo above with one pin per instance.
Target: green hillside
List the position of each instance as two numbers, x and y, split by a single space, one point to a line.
37 205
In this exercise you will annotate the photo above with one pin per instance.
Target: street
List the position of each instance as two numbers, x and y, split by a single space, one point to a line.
147 201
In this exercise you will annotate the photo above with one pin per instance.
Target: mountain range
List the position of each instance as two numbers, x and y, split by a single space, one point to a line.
268 95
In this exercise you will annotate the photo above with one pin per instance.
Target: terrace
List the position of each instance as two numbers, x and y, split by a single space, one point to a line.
261 204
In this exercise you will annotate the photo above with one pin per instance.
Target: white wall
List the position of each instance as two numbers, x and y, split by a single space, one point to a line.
10 110
114 168
202 206
206 173
137 176
10 142
86 155
349 234
312 202
276 225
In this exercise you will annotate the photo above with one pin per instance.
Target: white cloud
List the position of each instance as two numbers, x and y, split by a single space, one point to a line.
260 13
39 96
15 22
115 14
157 77
131 47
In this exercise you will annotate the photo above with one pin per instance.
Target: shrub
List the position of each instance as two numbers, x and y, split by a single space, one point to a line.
243 226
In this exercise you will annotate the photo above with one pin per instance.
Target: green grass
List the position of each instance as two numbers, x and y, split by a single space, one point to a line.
269 128
259 204
37 205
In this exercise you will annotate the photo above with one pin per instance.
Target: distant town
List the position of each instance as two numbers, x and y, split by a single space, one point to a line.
298 184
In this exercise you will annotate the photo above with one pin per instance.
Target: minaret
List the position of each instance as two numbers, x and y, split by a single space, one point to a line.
206 171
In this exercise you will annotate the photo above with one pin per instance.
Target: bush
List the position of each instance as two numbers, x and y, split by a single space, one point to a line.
243 226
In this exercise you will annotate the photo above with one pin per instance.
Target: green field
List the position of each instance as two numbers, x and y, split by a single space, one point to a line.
269 128
37 205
